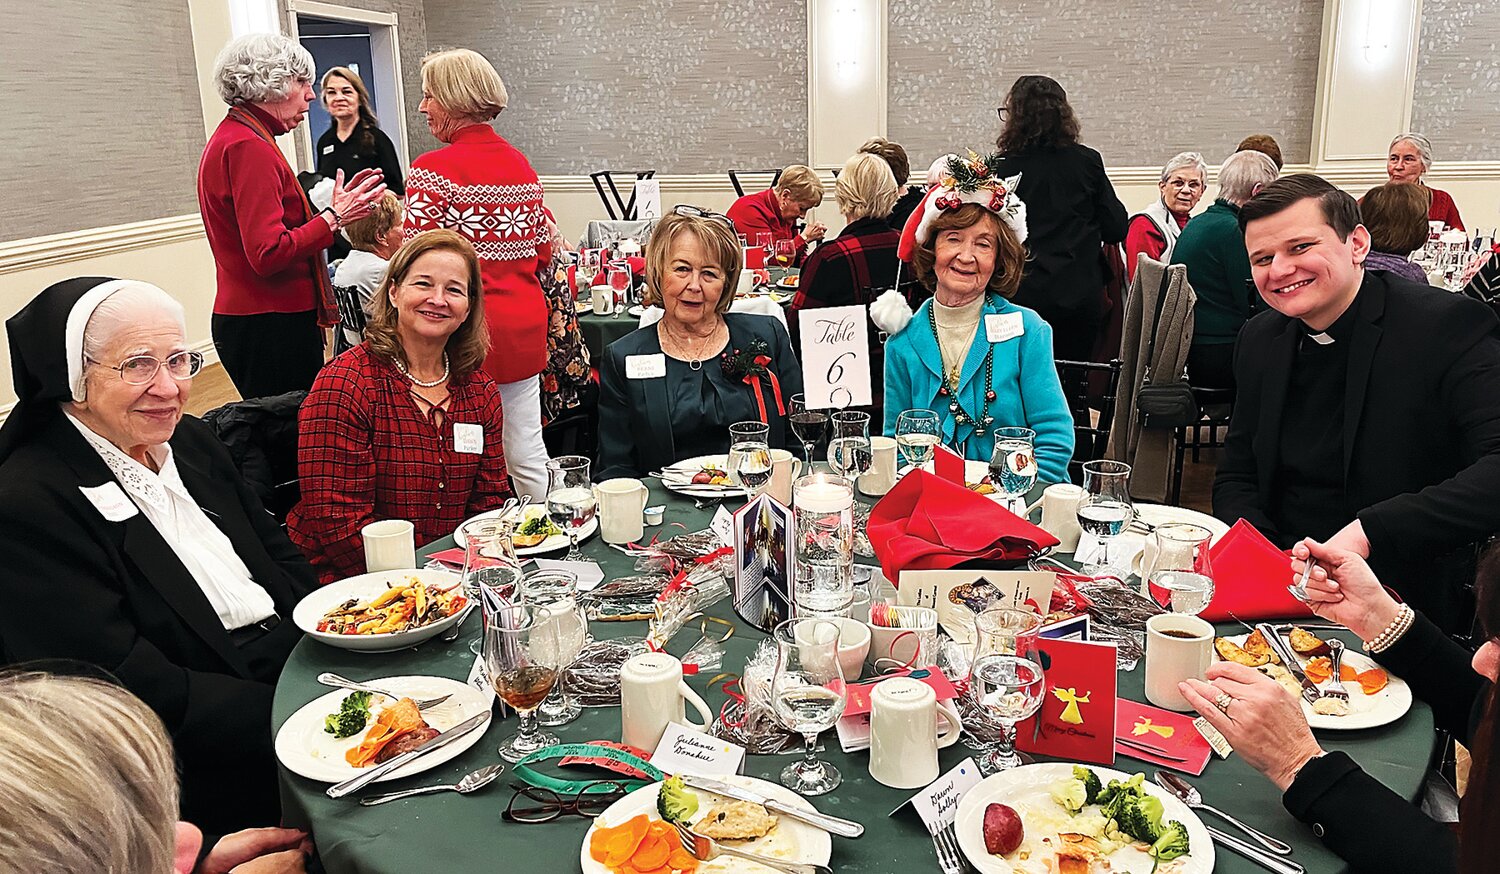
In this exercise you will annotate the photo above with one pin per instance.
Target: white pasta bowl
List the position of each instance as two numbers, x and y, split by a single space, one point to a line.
311 610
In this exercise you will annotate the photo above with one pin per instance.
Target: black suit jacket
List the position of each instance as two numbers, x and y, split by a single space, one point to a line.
114 595
1421 431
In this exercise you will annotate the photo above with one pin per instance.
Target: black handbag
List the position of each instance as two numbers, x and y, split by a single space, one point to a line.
1170 404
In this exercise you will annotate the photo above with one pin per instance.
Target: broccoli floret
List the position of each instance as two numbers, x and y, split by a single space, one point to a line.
1071 793
674 802
354 713
1140 817
1091 784
1118 788
1172 843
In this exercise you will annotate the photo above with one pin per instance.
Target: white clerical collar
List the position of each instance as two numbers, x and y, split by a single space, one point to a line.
1321 338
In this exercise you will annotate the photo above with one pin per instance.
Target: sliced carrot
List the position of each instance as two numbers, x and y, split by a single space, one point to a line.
651 854
1372 681
682 860
1320 669
620 846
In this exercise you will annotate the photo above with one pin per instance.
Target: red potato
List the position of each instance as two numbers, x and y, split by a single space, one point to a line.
1003 830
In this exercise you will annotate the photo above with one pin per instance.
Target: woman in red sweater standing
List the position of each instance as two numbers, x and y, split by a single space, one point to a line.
483 187
274 296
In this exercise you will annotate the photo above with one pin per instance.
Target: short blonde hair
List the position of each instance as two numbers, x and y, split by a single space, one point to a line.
468 345
464 83
802 184
866 187
88 779
368 232
715 234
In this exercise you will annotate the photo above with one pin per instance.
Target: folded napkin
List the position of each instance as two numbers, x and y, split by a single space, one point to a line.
928 523
755 257
1250 578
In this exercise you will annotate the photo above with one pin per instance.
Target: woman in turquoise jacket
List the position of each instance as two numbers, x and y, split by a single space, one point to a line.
969 354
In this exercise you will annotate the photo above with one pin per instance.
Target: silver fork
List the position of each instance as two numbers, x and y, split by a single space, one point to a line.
945 841
338 682
1336 684
706 849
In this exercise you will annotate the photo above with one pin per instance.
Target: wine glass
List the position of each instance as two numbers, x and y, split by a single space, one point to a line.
917 432
750 457
786 252
807 694
619 279
764 240
1180 577
808 425
1013 465
570 498
587 267
562 629
521 672
849 452
1105 508
489 562
1003 630
1009 688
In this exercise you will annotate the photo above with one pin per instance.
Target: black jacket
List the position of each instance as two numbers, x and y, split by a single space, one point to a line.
1421 431
114 595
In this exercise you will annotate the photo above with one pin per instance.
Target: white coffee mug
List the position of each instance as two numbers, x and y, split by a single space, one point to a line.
622 503
784 468
904 740
604 299
652 693
746 283
1059 503
390 545
1178 647
881 477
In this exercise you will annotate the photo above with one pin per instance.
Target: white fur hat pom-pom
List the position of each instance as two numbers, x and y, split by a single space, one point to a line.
890 312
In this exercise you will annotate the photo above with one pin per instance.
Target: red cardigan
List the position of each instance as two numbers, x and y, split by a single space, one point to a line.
759 213
264 247
1444 209
484 188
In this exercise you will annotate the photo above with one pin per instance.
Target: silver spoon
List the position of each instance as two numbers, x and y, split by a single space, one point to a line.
470 782
1189 795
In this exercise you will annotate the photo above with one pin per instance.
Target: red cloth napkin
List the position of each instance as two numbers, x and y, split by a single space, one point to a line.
1250 578
928 523
755 258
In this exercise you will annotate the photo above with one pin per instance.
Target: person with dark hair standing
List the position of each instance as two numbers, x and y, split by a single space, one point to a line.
1071 209
354 141
1396 215
1368 409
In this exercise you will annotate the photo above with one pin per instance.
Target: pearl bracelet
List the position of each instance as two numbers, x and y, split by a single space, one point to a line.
1393 632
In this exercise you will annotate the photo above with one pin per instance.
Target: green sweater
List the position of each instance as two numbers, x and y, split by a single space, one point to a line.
1213 249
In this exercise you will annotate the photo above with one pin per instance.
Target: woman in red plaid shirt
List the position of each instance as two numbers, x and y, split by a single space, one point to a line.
405 425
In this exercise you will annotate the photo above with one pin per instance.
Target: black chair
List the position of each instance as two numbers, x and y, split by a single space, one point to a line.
351 317
1215 407
576 432
618 207
261 435
739 187
1089 439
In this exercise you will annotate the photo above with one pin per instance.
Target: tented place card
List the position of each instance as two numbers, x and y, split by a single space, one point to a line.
835 357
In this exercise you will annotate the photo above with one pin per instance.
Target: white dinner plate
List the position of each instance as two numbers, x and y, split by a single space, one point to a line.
791 840
1365 711
686 469
305 748
552 544
311 610
1026 789
636 311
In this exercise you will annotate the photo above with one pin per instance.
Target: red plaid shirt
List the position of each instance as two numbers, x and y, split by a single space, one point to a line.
844 270
366 452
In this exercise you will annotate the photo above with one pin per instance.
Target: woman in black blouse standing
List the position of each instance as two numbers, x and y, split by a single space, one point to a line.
354 141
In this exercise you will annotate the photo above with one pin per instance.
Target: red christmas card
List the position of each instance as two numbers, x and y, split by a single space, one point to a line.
1077 719
1159 736
857 695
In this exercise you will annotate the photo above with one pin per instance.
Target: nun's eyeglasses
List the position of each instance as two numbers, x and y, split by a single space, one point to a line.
141 369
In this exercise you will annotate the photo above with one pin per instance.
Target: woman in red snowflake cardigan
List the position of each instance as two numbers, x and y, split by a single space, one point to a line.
483 188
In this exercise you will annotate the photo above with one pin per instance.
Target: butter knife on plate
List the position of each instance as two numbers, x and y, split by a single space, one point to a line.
354 784
1289 661
831 824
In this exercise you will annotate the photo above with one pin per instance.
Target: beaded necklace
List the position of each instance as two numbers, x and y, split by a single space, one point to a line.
949 387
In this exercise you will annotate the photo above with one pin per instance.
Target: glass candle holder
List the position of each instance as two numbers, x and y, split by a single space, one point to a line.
822 507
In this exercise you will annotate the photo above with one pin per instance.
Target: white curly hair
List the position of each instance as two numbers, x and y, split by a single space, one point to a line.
260 67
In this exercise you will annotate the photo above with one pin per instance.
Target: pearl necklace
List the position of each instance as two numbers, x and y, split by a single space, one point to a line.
434 384
693 362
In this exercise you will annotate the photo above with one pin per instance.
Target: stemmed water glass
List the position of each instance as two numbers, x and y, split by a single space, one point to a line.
917 432
1105 508
1006 681
1013 465
619 280
808 425
489 563
587 267
570 498
750 457
786 252
849 452
521 672
562 630
1180 576
764 240
1003 630
807 694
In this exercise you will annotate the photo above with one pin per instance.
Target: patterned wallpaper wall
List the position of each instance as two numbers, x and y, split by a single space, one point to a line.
102 122
679 86
1147 79
1456 101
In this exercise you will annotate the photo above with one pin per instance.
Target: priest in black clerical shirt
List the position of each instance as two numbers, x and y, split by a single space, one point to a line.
1368 413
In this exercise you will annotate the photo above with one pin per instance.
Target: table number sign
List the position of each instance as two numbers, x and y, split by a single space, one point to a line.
763 555
1077 719
648 199
835 357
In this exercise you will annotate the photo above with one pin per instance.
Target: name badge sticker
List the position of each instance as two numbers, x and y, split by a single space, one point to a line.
111 502
645 366
999 327
468 438
328 149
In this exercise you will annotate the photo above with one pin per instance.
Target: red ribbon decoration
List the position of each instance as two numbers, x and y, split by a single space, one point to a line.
752 379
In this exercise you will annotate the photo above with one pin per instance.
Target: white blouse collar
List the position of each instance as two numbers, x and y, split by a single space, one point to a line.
139 480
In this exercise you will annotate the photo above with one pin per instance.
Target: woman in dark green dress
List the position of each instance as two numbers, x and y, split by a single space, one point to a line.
670 391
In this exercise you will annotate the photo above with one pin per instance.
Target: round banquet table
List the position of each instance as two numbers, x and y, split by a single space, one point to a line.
464 833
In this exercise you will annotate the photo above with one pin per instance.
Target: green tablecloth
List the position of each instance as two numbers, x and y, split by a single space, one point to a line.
600 331
451 833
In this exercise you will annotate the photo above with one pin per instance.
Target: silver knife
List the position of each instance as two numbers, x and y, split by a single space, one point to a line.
1289 661
1255 854
831 824
354 784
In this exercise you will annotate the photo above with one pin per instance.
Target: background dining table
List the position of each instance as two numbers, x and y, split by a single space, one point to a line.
456 834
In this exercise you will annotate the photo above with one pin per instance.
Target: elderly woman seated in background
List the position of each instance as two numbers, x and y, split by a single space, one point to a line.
1409 160
1265 144
862 258
1396 217
1363 822
776 210
970 355
1153 231
133 543
670 391
406 425
274 294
